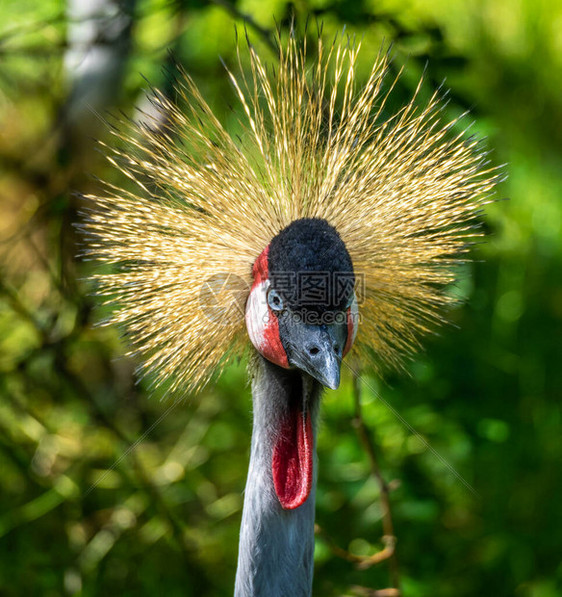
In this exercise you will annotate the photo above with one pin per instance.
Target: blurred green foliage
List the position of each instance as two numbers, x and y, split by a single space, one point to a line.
107 492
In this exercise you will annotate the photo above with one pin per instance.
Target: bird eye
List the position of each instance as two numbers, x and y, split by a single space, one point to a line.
274 300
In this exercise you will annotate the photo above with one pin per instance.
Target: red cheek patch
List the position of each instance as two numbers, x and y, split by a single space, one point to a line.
272 348
350 332
260 270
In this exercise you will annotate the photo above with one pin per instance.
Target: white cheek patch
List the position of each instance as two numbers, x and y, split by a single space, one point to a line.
257 315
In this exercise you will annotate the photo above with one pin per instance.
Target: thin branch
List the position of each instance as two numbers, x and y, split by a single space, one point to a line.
21 309
363 562
367 439
264 33
366 592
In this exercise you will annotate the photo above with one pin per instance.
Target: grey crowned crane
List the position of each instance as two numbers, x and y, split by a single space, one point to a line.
278 222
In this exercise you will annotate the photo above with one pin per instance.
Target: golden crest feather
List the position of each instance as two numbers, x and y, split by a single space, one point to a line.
403 193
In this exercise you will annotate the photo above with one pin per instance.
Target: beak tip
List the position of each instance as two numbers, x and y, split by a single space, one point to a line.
314 351
333 384
332 380
329 378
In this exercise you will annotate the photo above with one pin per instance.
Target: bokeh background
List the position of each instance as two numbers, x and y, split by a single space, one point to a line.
107 490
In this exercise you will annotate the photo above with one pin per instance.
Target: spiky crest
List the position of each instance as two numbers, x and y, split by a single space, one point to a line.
402 193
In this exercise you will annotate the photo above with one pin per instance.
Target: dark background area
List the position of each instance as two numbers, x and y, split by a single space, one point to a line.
107 490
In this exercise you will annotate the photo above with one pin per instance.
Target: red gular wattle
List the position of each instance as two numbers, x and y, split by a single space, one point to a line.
292 461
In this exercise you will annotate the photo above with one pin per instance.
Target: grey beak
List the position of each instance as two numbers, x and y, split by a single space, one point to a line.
317 350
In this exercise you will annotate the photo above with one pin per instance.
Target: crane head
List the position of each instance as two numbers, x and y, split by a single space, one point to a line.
302 314
302 309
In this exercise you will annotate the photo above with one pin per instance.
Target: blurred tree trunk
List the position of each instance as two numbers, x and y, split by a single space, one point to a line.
99 40
99 43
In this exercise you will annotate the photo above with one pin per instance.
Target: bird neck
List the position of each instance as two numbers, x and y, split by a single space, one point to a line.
276 545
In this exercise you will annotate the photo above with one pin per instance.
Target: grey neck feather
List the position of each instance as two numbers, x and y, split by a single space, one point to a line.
276 545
